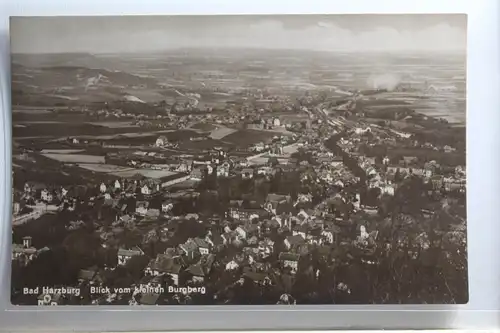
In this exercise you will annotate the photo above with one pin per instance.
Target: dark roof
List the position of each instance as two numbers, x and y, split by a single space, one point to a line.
295 240
255 276
165 264
196 270
289 256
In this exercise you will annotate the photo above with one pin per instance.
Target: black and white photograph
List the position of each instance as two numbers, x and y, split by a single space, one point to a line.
239 160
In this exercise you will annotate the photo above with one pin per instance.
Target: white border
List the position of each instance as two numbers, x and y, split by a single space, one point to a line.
483 161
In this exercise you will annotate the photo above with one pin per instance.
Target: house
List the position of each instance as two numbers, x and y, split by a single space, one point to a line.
164 264
24 253
276 122
229 237
289 260
16 208
232 265
301 230
103 188
387 189
223 170
246 231
117 185
90 276
146 190
337 161
124 255
247 173
202 268
161 141
46 195
141 207
167 206
292 242
196 174
273 201
330 233
153 213
257 277
448 149
194 245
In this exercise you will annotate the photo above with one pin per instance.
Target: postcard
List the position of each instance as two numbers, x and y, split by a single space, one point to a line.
239 159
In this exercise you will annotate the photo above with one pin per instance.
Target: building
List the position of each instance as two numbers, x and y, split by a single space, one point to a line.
24 253
195 245
141 207
124 255
146 190
46 195
164 264
289 260
161 141
167 206
292 242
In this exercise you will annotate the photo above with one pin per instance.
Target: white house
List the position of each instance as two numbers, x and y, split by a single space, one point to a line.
145 190
247 173
45 195
166 207
276 122
103 188
117 185
290 260
232 265
161 141
328 236
387 189
141 208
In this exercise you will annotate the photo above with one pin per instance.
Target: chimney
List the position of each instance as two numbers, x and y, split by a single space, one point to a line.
27 242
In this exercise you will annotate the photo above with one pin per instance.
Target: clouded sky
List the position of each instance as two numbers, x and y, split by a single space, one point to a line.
424 33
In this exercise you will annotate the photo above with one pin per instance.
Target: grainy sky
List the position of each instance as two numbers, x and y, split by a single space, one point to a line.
368 32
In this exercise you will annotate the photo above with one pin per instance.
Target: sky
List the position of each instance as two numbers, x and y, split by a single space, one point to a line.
342 33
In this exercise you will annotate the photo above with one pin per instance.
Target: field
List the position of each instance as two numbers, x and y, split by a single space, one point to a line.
105 168
246 138
64 129
204 127
61 151
148 173
114 124
222 133
125 172
71 158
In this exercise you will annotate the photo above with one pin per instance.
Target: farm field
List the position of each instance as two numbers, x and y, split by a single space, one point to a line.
71 158
61 151
222 132
105 168
149 173
245 138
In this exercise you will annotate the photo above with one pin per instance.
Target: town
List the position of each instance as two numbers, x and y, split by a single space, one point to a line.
208 194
